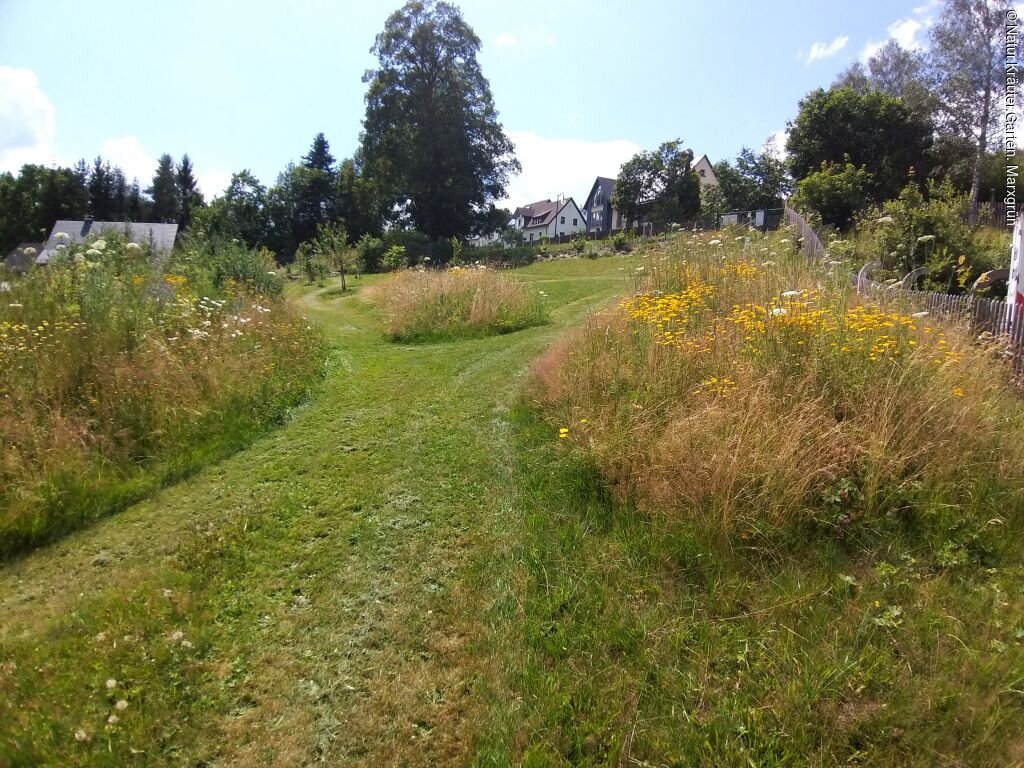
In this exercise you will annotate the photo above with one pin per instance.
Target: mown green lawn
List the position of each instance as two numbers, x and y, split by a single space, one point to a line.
310 598
414 571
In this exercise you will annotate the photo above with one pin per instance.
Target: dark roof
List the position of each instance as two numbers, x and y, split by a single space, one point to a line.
606 185
160 237
19 261
543 209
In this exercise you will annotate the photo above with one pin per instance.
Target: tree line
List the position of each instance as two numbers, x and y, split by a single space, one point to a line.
432 157
38 196
904 116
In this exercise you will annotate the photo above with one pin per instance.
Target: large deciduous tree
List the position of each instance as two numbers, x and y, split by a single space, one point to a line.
755 181
872 129
967 65
241 212
658 186
431 137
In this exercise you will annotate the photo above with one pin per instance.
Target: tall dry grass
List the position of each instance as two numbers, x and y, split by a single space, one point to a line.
741 387
457 303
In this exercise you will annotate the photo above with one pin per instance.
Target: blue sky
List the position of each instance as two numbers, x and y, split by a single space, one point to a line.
579 86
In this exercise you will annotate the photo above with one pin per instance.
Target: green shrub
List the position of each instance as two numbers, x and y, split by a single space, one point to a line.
622 242
395 258
918 230
210 265
837 192
579 244
371 252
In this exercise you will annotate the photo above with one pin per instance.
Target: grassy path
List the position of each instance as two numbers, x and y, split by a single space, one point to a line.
315 598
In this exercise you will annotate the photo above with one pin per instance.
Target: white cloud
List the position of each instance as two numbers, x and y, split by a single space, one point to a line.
212 183
826 50
128 154
563 166
905 32
908 32
28 121
541 37
870 49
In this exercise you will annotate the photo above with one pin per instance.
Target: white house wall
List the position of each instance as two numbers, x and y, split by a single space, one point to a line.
708 177
571 211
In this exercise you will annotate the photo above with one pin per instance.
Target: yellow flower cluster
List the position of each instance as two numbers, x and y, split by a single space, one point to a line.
670 313
866 329
741 269
20 337
175 280
717 386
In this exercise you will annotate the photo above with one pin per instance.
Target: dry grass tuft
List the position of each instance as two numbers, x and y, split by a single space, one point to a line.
457 303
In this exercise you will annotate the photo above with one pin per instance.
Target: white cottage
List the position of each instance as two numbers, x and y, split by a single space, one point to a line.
550 219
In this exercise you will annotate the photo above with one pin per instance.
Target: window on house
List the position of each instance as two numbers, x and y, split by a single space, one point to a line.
597 197
702 173
531 237
562 221
574 222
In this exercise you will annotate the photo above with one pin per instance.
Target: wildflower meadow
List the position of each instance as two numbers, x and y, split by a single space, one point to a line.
742 385
120 370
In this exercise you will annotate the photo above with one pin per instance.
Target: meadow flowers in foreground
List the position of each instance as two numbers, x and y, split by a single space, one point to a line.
739 385
435 305
115 371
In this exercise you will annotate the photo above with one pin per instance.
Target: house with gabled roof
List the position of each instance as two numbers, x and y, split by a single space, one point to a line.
601 216
549 218
705 170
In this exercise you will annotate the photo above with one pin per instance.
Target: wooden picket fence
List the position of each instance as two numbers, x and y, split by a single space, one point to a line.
990 320
811 243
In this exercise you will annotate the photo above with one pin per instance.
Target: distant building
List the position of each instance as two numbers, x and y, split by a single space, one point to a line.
547 218
602 218
23 257
159 237
705 170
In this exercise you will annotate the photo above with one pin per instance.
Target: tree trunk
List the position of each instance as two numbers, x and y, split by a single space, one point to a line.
343 286
979 158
